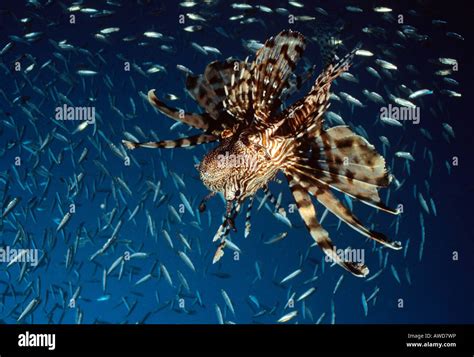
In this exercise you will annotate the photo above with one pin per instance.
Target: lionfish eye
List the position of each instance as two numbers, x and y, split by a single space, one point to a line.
237 193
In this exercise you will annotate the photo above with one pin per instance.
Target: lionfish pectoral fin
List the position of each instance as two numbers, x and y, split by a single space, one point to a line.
319 234
346 162
333 204
198 121
171 144
363 192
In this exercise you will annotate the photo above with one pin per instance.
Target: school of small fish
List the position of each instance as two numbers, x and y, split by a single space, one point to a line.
145 241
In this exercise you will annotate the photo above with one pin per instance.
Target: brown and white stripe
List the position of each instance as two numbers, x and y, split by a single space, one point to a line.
171 144
319 234
335 206
273 65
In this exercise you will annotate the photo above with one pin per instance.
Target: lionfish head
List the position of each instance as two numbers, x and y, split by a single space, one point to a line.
230 168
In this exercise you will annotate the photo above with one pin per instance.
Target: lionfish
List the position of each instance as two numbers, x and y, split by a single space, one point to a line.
242 103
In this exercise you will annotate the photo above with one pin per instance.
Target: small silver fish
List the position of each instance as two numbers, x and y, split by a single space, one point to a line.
220 319
231 245
306 294
382 9
114 265
295 4
241 6
403 102
228 302
339 281
174 213
186 203
420 93
364 53
186 260
447 61
391 121
86 72
354 9
404 155
64 221
264 8
29 309
455 35
291 276
395 273
167 275
10 206
336 118
144 279
153 34
304 18
276 238
423 203
109 30
198 48
288 316
195 17
386 65
210 49
193 28
449 129
168 238
282 219
188 4
364 304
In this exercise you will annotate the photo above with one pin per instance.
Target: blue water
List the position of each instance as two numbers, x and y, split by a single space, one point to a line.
441 288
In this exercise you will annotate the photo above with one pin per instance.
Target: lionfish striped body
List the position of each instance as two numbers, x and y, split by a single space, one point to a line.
257 140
